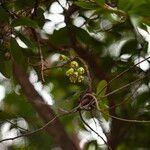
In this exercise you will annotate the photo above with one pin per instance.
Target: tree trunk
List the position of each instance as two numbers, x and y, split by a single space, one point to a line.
54 129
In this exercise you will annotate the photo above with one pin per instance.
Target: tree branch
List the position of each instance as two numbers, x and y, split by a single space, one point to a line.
55 129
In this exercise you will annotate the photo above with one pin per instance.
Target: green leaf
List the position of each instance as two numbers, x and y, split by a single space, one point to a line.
22 4
102 101
39 18
24 22
3 15
6 115
142 10
146 20
83 36
60 37
130 47
6 68
91 145
29 42
100 2
130 5
18 105
101 88
87 5
17 53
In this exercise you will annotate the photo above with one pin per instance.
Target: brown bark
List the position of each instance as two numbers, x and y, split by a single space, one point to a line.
55 129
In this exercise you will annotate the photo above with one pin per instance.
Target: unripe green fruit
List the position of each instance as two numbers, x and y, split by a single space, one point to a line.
81 70
63 58
75 74
70 72
73 79
74 64
80 78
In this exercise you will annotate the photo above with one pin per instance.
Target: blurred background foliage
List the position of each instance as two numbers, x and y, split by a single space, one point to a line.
109 31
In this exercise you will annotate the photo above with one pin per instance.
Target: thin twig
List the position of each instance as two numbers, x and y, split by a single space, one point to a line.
40 129
29 133
122 73
125 100
125 120
88 20
61 5
94 130
40 53
61 65
42 61
35 8
117 118
16 125
123 87
94 120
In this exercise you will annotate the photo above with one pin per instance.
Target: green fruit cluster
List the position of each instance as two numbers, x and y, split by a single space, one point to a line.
75 73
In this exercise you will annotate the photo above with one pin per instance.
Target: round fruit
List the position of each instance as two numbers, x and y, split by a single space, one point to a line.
74 64
73 79
75 74
81 70
80 78
70 72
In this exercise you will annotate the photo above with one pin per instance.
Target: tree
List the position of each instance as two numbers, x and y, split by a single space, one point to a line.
97 74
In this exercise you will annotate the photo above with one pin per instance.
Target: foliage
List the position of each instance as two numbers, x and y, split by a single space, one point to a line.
97 36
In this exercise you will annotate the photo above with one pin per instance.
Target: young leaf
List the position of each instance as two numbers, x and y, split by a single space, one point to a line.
101 88
102 103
